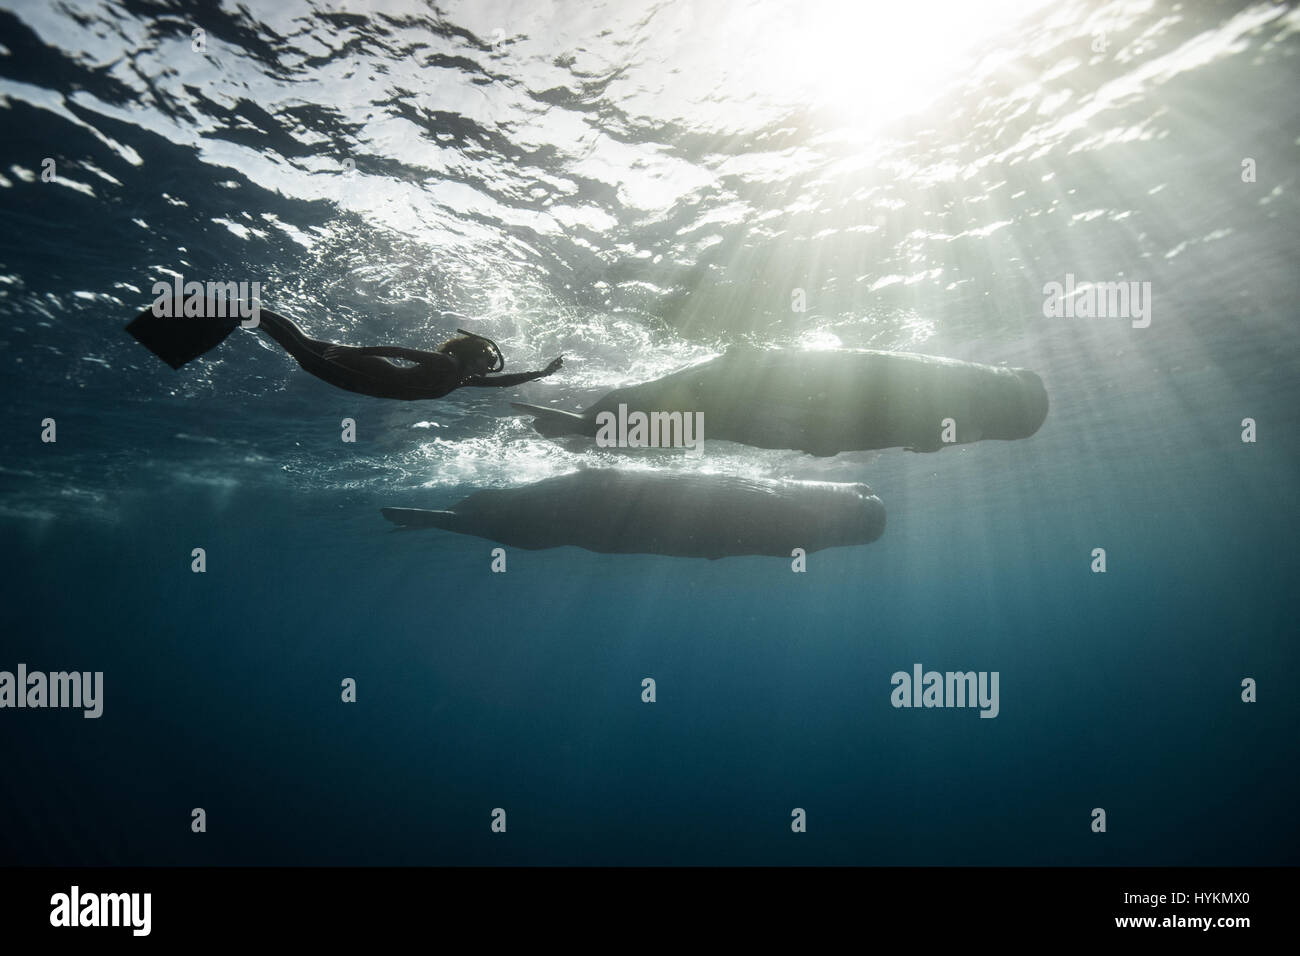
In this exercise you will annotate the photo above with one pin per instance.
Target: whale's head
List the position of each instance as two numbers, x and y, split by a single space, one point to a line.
1009 405
851 514
1034 401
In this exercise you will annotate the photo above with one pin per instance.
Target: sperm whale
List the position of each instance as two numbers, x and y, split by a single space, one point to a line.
827 402
614 511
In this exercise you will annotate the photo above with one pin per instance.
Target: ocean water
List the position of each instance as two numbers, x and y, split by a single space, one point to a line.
636 186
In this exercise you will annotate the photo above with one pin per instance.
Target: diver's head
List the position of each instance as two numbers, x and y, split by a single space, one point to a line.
475 354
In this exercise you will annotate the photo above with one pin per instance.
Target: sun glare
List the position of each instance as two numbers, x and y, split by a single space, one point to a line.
872 62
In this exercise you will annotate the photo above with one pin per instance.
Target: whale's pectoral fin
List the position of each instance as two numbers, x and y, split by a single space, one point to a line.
408 519
553 421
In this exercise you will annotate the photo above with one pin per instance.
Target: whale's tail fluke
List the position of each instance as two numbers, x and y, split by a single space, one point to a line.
408 519
179 339
553 422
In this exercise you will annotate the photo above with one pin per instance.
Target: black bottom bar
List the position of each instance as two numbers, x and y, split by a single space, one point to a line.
334 905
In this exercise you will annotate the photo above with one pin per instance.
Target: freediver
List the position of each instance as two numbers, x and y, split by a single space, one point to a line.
468 359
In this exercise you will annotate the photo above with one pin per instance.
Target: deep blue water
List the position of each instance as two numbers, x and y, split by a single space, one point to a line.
636 186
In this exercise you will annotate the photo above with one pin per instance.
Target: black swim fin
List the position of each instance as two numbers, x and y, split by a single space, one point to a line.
179 339
408 519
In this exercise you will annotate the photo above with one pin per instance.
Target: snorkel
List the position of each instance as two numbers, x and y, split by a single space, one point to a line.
500 362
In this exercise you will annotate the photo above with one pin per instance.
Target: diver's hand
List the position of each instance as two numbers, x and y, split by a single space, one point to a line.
554 366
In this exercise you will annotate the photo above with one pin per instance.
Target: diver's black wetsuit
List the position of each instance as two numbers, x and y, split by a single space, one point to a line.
371 371
364 370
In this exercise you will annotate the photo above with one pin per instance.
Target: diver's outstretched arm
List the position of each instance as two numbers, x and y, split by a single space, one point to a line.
505 381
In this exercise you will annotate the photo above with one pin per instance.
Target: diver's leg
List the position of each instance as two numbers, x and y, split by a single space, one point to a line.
343 368
290 337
